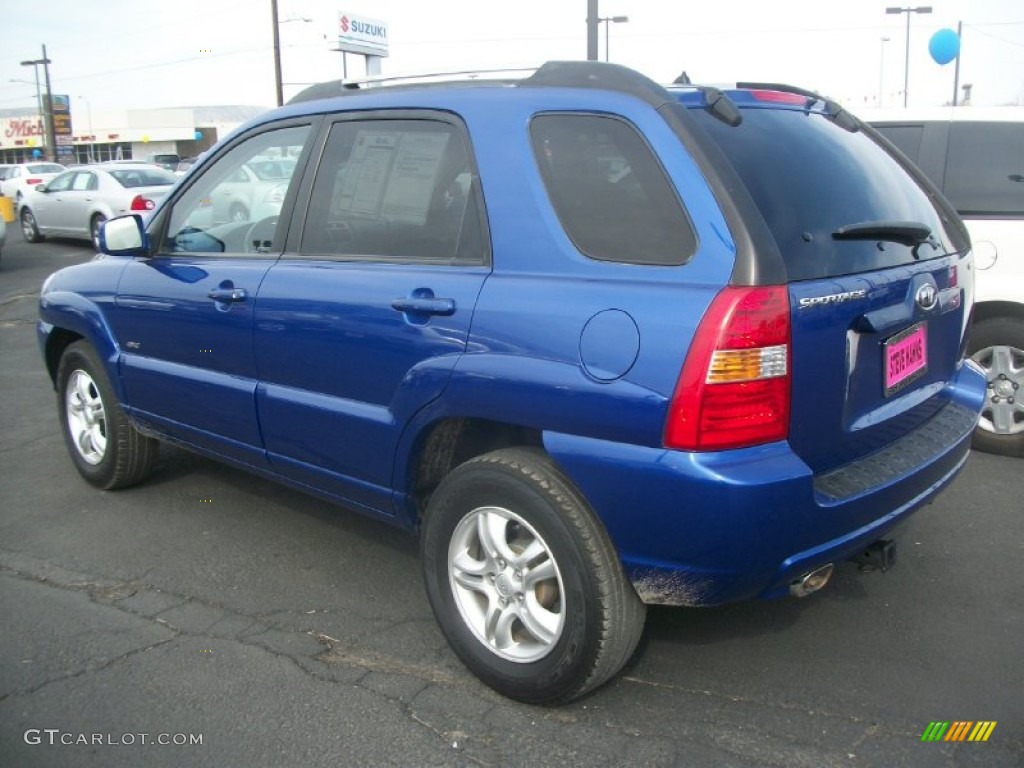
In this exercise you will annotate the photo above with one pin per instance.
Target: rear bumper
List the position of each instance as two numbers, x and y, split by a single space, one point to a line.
713 528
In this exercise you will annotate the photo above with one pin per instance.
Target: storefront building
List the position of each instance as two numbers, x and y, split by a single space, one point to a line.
98 136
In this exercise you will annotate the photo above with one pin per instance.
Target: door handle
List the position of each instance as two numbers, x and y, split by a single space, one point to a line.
228 295
422 305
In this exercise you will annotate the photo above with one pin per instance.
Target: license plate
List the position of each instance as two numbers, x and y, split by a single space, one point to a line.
906 358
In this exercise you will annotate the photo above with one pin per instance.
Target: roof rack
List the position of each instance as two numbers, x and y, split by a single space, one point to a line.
333 88
553 74
469 74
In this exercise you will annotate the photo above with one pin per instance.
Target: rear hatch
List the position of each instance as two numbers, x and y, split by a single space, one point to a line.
876 273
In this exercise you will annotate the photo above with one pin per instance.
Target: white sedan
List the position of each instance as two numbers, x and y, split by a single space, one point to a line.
18 179
78 201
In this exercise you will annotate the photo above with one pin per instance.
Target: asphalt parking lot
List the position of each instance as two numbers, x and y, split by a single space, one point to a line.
280 630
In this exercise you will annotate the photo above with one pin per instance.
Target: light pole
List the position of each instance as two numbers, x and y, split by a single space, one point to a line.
881 69
608 20
89 149
906 66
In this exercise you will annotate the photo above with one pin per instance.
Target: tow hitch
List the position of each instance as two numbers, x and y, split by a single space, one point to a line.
880 556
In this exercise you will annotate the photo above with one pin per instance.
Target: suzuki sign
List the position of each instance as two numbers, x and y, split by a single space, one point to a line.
360 34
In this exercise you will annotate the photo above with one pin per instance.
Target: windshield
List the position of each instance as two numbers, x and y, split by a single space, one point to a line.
811 179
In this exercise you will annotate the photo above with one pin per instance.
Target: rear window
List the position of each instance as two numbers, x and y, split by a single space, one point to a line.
809 177
611 195
985 168
44 168
143 177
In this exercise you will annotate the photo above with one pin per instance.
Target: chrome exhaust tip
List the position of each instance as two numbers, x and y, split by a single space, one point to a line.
812 582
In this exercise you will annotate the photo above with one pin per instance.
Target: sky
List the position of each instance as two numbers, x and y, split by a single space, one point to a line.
125 54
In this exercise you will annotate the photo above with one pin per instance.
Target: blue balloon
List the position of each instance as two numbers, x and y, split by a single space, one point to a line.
199 135
37 153
944 46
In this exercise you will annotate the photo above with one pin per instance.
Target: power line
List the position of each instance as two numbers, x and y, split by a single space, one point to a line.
977 29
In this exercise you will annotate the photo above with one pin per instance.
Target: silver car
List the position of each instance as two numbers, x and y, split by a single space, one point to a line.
254 191
77 202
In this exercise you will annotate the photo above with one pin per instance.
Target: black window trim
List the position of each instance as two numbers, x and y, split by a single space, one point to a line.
305 191
657 160
156 231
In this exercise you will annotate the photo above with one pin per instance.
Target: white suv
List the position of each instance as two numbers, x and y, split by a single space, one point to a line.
975 155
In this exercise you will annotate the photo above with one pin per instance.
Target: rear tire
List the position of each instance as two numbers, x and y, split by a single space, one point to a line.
524 581
104 446
997 345
94 229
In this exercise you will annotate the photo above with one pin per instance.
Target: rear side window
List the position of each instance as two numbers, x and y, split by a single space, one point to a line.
907 138
985 168
609 192
809 177
395 190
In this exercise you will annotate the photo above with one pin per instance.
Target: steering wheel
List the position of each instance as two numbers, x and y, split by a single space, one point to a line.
260 236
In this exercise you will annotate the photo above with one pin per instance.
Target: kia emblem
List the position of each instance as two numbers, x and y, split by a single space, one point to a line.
927 297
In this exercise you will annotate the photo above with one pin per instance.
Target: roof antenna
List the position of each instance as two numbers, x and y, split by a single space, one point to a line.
683 79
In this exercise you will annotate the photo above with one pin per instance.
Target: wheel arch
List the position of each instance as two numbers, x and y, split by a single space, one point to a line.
72 317
57 341
446 443
988 310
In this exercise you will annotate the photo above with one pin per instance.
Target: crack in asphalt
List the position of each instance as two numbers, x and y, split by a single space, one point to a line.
257 631
87 670
99 591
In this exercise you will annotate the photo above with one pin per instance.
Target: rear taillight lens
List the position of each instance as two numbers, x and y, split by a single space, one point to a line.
779 97
33 182
140 203
734 388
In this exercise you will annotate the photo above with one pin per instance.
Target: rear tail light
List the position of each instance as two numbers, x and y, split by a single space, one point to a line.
140 203
734 389
33 182
779 97
275 195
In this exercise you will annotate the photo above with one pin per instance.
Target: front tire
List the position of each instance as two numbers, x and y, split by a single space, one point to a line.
523 580
104 446
29 227
238 213
997 345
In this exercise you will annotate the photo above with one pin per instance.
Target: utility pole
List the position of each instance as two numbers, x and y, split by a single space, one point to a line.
45 108
51 135
277 53
592 22
960 50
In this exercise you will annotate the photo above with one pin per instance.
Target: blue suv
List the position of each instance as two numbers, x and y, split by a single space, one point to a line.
599 342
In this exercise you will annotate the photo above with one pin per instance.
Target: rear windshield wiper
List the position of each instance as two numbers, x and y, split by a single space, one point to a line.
903 232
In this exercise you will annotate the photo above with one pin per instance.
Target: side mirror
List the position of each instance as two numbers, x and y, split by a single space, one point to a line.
40 187
124 236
